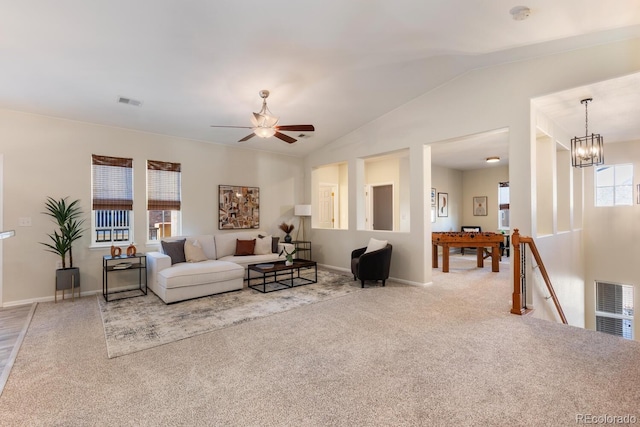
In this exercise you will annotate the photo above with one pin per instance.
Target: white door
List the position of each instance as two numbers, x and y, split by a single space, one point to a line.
327 206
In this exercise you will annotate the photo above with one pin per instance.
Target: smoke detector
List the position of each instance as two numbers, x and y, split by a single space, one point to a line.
129 101
520 13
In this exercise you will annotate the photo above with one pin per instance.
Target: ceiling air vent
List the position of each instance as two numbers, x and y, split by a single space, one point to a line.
129 101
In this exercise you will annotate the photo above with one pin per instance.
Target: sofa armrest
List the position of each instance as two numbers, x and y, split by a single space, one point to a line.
357 252
156 262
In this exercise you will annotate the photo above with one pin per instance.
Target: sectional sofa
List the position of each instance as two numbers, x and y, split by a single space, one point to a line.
208 264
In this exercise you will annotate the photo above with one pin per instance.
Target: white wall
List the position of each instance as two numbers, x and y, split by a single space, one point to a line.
482 182
473 103
449 181
45 156
556 227
612 235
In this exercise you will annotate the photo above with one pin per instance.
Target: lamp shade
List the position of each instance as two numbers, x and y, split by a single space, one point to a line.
302 210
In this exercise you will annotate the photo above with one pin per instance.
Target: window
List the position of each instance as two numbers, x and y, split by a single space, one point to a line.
503 206
163 199
112 200
614 185
614 309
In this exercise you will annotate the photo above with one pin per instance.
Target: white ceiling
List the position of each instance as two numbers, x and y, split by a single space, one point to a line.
332 63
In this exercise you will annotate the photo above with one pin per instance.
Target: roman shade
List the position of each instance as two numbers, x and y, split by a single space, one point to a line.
163 186
112 183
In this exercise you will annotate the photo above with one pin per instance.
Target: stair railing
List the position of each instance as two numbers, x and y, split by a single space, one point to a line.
519 298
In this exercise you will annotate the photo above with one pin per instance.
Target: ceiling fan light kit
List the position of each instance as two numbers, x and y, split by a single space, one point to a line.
265 124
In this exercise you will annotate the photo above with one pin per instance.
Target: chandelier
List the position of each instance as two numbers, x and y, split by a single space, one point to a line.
587 150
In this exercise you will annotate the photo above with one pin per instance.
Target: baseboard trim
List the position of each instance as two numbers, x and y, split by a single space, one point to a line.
51 298
393 279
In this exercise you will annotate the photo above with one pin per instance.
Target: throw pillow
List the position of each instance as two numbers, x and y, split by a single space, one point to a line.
175 250
263 245
193 252
375 245
274 243
245 247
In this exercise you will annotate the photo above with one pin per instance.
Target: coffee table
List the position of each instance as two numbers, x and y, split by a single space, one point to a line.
277 276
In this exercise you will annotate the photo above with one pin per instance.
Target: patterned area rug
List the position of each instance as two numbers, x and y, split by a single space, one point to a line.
135 324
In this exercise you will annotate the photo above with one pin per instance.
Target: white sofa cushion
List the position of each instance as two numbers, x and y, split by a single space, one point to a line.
188 274
244 261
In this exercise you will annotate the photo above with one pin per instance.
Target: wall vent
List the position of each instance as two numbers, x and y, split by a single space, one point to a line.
129 101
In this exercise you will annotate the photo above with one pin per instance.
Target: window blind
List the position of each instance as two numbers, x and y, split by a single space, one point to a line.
112 183
163 186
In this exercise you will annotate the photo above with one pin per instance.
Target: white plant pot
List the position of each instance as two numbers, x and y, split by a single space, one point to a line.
288 263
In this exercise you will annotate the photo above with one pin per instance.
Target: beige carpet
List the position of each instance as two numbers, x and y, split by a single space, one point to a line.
144 322
442 355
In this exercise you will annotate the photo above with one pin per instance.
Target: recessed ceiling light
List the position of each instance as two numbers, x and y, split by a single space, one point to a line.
493 159
520 13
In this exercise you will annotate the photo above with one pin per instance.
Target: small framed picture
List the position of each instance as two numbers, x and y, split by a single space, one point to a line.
433 214
443 204
480 206
433 197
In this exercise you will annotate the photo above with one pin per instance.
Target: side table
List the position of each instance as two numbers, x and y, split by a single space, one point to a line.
303 249
111 265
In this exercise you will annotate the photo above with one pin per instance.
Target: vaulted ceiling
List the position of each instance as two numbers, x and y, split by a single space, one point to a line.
334 64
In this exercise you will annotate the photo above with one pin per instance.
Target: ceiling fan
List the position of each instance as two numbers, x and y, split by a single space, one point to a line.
265 124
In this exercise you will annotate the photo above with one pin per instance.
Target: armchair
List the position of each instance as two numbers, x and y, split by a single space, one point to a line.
372 265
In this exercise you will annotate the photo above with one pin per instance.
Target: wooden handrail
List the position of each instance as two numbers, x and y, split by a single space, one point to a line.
517 300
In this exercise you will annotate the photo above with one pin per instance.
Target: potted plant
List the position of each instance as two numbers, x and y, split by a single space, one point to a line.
287 228
68 218
288 255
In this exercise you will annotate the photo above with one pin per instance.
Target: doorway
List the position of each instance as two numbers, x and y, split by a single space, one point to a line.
379 207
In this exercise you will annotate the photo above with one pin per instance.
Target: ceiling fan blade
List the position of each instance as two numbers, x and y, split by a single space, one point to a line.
248 137
235 127
285 138
302 128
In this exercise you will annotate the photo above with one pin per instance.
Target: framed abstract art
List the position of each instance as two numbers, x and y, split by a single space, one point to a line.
238 207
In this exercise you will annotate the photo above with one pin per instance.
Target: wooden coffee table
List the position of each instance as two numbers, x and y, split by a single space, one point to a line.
277 276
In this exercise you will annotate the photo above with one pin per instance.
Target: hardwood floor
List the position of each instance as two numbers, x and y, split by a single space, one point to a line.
14 322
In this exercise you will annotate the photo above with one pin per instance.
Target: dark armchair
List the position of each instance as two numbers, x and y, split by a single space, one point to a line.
371 265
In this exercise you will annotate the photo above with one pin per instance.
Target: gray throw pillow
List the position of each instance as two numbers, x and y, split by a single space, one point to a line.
175 250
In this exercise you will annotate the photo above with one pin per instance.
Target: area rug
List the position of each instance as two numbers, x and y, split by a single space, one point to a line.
136 324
